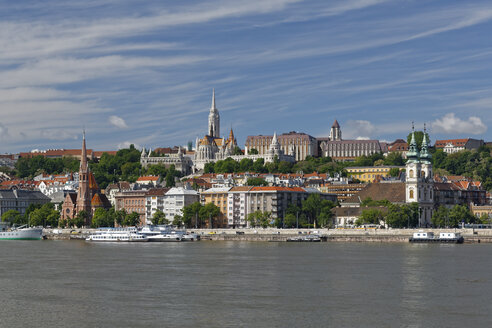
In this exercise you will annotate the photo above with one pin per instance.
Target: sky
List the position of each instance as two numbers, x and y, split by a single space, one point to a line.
142 72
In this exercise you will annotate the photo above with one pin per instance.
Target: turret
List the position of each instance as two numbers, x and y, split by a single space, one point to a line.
413 152
214 119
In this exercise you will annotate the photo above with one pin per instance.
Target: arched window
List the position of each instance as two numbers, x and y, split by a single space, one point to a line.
411 192
422 174
411 173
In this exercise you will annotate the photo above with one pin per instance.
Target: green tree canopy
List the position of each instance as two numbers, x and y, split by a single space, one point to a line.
159 218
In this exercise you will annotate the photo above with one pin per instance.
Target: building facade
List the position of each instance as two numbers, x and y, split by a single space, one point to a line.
132 201
451 146
180 161
176 199
297 144
370 173
345 150
19 200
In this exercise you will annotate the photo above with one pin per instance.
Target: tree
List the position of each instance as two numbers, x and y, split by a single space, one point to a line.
314 206
440 217
458 214
209 167
370 216
46 215
191 215
80 219
118 216
237 151
209 212
102 218
394 172
132 219
400 216
394 159
159 218
246 165
11 216
178 220
253 151
290 220
257 182
260 219
484 219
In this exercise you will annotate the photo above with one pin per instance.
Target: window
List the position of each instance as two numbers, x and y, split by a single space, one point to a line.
411 194
411 173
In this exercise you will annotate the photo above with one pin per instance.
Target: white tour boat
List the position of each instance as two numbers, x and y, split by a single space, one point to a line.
117 235
20 233
166 233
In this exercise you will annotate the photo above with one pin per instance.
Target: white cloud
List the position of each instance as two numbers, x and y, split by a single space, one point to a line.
4 132
54 134
360 129
118 122
451 124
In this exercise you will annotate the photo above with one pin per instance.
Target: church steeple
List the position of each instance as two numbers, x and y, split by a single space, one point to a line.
83 194
425 156
413 152
214 119
83 157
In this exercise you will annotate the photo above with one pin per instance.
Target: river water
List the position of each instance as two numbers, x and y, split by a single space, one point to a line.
244 284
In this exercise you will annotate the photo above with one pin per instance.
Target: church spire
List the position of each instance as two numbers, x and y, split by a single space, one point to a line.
213 108
425 156
214 119
413 152
83 156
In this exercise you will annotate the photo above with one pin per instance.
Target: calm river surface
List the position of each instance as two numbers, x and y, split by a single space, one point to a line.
244 284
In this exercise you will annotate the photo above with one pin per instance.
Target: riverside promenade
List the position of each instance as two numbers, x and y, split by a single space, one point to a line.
274 235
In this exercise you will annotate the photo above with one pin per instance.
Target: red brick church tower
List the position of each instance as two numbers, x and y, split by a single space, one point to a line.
83 194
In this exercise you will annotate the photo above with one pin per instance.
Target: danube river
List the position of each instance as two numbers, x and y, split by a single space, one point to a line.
244 284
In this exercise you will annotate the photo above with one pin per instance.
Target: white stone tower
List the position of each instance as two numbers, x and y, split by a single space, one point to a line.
214 119
335 131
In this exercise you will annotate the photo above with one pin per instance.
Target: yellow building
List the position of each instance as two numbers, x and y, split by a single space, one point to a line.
370 173
478 211
218 197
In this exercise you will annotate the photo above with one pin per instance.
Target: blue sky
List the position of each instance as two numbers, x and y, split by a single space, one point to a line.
142 72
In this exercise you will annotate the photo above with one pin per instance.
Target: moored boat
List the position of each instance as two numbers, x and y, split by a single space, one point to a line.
167 234
444 237
20 233
117 235
308 239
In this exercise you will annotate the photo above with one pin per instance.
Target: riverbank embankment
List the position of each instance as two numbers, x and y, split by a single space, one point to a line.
278 235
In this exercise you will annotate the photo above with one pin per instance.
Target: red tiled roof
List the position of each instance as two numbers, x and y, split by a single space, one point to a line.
454 142
148 178
297 189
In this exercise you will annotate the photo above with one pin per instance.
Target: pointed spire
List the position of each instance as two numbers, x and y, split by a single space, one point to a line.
213 108
83 158
413 152
425 156
274 140
150 151
143 152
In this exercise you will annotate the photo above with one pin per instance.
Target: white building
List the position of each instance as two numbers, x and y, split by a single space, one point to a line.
419 183
177 198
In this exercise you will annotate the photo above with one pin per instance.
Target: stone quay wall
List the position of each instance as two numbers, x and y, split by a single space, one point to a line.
272 235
